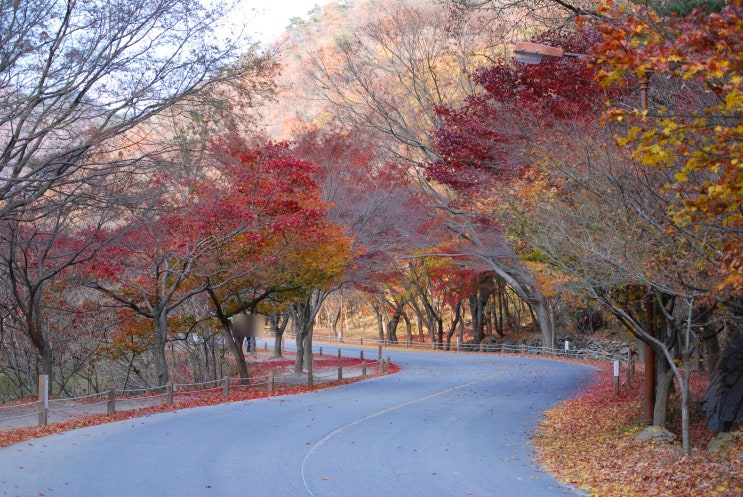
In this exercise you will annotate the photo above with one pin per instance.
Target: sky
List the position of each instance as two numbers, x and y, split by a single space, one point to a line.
267 19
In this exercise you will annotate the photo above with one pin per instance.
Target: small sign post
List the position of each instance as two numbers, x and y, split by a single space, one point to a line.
616 377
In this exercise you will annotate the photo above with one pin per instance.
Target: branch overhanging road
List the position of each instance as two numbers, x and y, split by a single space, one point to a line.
447 425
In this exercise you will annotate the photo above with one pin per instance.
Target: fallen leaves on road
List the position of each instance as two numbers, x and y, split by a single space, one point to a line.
590 442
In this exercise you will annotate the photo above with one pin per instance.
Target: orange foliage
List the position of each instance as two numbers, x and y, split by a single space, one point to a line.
697 128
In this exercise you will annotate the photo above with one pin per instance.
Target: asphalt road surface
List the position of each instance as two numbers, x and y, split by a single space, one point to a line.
447 425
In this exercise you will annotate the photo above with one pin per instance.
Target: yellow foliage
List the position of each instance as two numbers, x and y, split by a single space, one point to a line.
701 138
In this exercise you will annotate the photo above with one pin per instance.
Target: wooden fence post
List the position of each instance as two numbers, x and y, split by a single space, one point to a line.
226 386
272 379
169 393
112 401
363 368
43 399
339 352
340 372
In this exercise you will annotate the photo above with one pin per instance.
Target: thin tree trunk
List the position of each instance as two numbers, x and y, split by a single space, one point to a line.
160 325
380 321
279 323
454 324
408 328
334 323
235 347
498 296
663 380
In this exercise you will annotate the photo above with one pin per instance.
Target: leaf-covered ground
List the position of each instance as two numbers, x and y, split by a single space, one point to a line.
193 399
590 443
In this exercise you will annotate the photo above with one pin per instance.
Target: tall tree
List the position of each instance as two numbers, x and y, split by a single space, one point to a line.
366 198
44 240
387 75
212 238
694 132
149 271
287 249
76 75
486 149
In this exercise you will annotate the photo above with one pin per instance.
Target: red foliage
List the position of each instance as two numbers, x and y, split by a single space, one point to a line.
480 142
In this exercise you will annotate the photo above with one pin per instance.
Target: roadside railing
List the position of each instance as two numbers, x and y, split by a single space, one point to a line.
47 410
51 410
456 346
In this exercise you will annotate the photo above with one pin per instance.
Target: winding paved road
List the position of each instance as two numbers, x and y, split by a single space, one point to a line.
447 425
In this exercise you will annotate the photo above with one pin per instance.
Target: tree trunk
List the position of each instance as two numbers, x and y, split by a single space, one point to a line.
299 358
334 323
235 348
663 382
380 321
307 348
304 313
499 299
278 323
454 324
477 333
392 328
419 321
544 319
233 345
160 329
44 348
38 334
723 402
408 328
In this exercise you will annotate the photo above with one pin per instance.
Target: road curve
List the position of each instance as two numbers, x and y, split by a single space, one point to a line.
447 425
